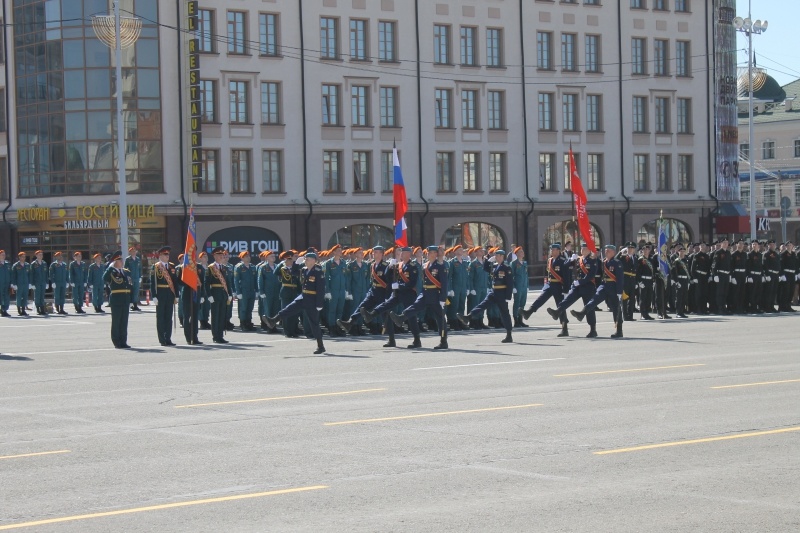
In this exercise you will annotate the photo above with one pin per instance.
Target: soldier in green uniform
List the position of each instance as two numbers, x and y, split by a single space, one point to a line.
358 283
133 264
335 289
519 269
679 279
163 283
121 284
458 282
39 277
5 284
289 275
21 282
59 280
244 286
77 281
95 282
269 288
218 295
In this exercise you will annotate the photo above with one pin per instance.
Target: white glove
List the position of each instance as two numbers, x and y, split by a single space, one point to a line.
230 299
33 287
493 260
749 280
71 284
694 282
202 300
328 296
768 278
211 299
574 257
262 295
451 293
348 296
47 286
514 291
319 309
395 286
90 290
238 296
392 261
780 278
716 279
576 283
677 284
155 301
797 277
733 281
443 304
472 292
14 287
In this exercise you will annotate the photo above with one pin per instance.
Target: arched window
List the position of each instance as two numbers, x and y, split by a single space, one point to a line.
676 230
469 234
362 235
565 232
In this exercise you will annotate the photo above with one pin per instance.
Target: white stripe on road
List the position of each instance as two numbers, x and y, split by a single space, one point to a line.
495 363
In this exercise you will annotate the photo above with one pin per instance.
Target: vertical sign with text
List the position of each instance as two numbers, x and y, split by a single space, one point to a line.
195 134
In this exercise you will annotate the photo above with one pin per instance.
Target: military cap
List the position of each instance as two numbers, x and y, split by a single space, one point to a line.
433 248
584 245
116 255
219 250
201 254
378 248
499 252
406 249
610 247
723 238
555 246
164 250
311 253
630 244
771 241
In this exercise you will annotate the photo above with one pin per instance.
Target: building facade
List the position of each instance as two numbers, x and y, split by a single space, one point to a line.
301 102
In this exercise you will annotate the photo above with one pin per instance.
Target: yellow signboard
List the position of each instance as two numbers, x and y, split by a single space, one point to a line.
88 217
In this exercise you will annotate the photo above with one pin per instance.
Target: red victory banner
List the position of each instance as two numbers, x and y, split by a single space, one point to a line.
579 194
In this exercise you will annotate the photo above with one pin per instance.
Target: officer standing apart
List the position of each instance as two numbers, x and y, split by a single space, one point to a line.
205 307
309 302
610 291
501 292
59 280
96 283
121 284
21 282
433 299
218 295
5 284
77 281
133 264
39 278
519 270
244 286
555 285
163 282
583 287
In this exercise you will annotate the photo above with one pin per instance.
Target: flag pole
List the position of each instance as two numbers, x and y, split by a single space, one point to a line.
574 207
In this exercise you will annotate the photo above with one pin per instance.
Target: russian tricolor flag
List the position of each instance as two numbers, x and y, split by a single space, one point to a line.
400 203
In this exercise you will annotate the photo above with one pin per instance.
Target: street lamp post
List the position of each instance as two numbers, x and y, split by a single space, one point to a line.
748 27
118 33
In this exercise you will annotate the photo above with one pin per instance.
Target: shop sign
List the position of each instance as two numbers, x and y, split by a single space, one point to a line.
251 238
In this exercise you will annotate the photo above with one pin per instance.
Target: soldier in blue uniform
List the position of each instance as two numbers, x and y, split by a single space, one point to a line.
433 299
77 281
583 287
21 282
458 283
519 270
381 277
269 288
5 284
288 273
218 294
627 258
163 283
245 284
555 285
94 281
501 292
39 280
59 280
120 282
309 302
133 264
610 291
336 287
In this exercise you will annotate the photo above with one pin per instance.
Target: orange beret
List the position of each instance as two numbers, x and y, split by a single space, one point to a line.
244 254
38 252
335 247
180 256
95 256
389 250
57 254
21 254
285 255
457 247
132 249
517 249
201 254
76 253
417 249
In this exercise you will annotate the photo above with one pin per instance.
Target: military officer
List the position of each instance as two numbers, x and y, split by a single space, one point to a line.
228 270
58 278
501 292
288 273
120 281
755 279
738 279
433 298
133 264
163 283
21 282
94 281
77 281
721 272
478 288
583 287
679 279
701 267
458 282
39 280
554 286
772 271
245 284
787 278
5 284
627 258
381 278
336 289
309 302
190 299
205 307
218 295
519 271
609 291
644 281
269 288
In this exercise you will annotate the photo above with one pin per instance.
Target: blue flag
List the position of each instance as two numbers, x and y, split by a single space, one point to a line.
663 253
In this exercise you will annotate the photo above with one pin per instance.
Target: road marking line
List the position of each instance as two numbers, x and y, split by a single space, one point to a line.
488 364
159 507
2 457
426 415
627 370
320 395
756 384
699 441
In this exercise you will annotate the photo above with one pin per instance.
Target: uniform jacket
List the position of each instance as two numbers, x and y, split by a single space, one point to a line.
134 267
502 278
519 269
313 286
39 274
245 280
435 281
407 275
335 276
21 276
613 275
77 275
59 274
160 278
587 269
120 284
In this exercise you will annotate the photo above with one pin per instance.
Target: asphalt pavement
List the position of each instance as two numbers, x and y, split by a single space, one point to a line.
682 426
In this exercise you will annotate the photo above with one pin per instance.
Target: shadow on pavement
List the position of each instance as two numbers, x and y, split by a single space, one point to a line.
14 358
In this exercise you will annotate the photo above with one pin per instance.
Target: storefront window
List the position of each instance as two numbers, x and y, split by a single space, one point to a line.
564 232
677 231
469 234
362 235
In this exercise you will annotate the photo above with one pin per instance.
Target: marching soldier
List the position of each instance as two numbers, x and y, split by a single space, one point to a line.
644 280
121 283
738 279
269 288
479 287
755 279
163 281
627 258
679 278
583 287
772 271
787 278
381 278
501 292
244 285
519 271
133 264
5 284
554 286
459 279
289 276
59 280
309 302
701 267
77 281
21 282
610 291
721 273
94 281
218 295
39 280
433 299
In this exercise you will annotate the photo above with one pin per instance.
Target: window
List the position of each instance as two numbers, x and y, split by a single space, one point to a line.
469 43
496 110
768 150
661 52
744 197
444 172
386 41
594 172
681 6
640 114
684 115
362 175
662 115
388 97
569 112
663 172
237 32
544 50
546 112
685 173
494 47
770 196
239 108
208 101
660 5
359 105
268 34
796 188
358 40
638 55
471 171
469 109
497 171
387 171
330 105
568 169
329 38
331 180
683 58
3 178
594 113
441 44
641 178
209 159
270 102
240 171
443 99
205 31
593 60
271 171
744 151
569 53
797 149
547 172
591 2
638 4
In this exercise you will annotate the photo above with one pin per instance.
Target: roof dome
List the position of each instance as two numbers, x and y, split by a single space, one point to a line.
765 87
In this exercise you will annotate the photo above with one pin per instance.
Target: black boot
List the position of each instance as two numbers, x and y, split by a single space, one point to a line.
442 344
272 321
618 334
508 337
320 348
592 334
553 313
345 325
578 314
205 324
367 314
564 331
464 319
416 344
526 314
397 319
3 313
646 316
391 343
519 323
